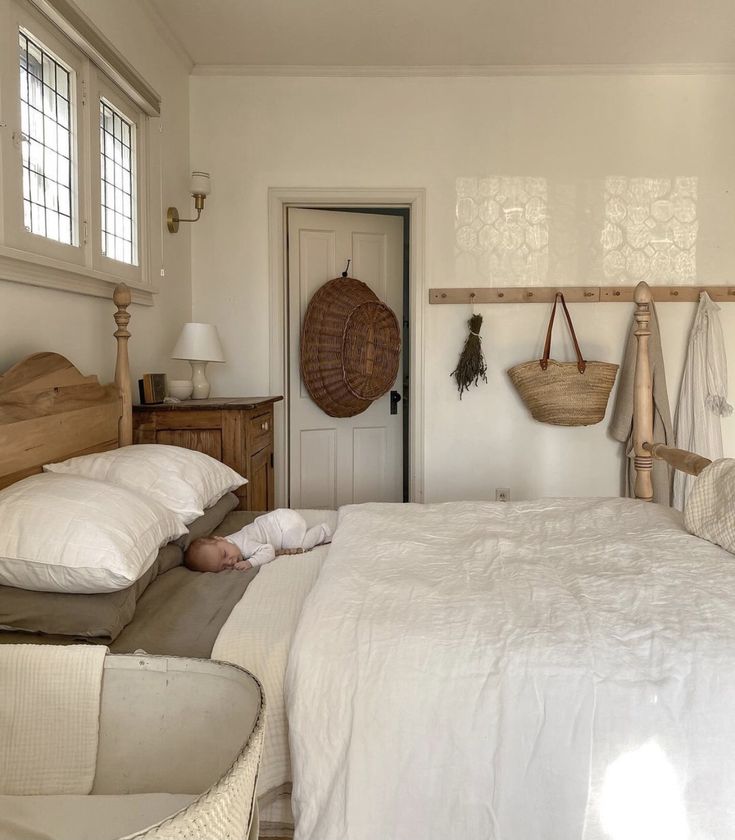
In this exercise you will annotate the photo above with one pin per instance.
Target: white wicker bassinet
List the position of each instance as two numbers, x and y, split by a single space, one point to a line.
227 810
169 725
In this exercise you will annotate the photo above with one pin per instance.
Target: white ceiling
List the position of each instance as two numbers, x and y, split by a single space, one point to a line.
456 33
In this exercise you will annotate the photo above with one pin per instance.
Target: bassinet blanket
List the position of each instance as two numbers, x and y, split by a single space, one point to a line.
560 669
49 718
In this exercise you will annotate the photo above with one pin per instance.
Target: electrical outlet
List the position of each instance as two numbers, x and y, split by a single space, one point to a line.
502 494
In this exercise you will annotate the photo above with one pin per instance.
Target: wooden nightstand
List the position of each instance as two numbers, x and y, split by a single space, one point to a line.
235 430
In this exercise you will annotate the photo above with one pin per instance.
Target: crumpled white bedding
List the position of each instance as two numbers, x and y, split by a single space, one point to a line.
551 670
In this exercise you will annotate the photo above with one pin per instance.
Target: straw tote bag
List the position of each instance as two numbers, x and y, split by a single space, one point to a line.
564 393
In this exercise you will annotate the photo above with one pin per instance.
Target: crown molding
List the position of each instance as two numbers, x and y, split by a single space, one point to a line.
328 71
168 35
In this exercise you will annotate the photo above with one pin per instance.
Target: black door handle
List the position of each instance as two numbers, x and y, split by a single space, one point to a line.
395 398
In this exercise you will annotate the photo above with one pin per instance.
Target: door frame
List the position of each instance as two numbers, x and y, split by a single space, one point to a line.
279 200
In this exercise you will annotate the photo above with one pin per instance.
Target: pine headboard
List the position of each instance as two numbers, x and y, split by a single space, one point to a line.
50 411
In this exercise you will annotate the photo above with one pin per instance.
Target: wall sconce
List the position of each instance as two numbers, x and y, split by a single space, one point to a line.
199 188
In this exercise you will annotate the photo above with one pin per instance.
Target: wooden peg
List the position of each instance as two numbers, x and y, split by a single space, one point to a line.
680 459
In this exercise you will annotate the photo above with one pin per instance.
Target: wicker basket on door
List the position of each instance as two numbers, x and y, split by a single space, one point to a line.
350 347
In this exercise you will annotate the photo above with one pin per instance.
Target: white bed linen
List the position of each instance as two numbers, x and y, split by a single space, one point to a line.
548 670
257 636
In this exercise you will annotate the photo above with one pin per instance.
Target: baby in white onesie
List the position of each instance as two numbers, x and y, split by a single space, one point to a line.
278 532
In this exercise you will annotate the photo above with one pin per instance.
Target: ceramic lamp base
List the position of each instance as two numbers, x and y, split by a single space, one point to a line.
200 390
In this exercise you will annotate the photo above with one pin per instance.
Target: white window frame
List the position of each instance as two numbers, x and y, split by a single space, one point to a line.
101 88
34 259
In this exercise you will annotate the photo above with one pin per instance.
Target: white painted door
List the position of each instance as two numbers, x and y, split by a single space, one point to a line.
336 461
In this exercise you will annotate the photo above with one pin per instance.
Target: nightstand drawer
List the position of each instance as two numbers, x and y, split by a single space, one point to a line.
260 431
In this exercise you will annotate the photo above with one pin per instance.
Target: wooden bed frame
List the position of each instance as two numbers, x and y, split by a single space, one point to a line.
644 447
49 411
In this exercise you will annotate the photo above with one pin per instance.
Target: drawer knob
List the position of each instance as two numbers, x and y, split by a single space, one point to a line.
264 425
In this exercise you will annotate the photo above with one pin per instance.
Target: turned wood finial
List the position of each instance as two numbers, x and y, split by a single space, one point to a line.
643 293
122 298
643 395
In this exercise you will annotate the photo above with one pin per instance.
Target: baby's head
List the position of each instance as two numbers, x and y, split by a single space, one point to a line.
211 554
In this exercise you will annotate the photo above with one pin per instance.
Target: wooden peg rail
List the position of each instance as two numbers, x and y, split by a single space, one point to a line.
578 294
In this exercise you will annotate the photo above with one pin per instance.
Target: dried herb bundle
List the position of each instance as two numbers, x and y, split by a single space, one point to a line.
471 366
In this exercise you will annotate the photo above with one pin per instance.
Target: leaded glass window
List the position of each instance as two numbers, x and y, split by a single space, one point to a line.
117 183
46 108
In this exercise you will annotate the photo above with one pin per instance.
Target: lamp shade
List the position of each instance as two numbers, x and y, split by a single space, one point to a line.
200 343
200 183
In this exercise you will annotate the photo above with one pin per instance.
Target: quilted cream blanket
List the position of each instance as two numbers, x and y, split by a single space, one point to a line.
551 670
49 718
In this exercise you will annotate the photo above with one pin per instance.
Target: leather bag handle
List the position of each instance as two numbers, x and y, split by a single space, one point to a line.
544 361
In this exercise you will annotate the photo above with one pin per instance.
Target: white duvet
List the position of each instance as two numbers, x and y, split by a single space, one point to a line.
553 670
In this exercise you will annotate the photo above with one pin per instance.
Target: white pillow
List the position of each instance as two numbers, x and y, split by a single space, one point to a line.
184 481
709 511
63 533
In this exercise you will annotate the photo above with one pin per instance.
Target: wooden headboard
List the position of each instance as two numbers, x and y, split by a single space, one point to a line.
50 411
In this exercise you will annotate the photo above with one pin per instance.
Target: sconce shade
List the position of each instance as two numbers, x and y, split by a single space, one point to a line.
200 183
199 342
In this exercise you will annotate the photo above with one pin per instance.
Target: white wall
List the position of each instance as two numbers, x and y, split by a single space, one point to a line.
81 327
256 133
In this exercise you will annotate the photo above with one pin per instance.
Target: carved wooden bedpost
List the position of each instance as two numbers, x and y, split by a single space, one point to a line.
643 396
122 298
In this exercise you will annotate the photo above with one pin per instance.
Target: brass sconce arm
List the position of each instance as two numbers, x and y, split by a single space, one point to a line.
199 191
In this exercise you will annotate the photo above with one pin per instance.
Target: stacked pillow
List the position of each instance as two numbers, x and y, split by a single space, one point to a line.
63 533
104 525
182 480
709 511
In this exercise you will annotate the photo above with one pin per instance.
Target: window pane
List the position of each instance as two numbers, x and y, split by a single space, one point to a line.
52 225
38 219
117 171
34 62
36 192
62 84
64 201
49 101
45 117
52 197
36 125
35 92
62 111
65 229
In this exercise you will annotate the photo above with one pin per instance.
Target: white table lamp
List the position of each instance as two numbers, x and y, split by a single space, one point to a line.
199 344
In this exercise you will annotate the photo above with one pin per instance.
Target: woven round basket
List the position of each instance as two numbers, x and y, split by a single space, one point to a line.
369 342
350 347
563 396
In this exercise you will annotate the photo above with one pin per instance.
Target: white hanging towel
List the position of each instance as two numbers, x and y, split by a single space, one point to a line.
703 394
